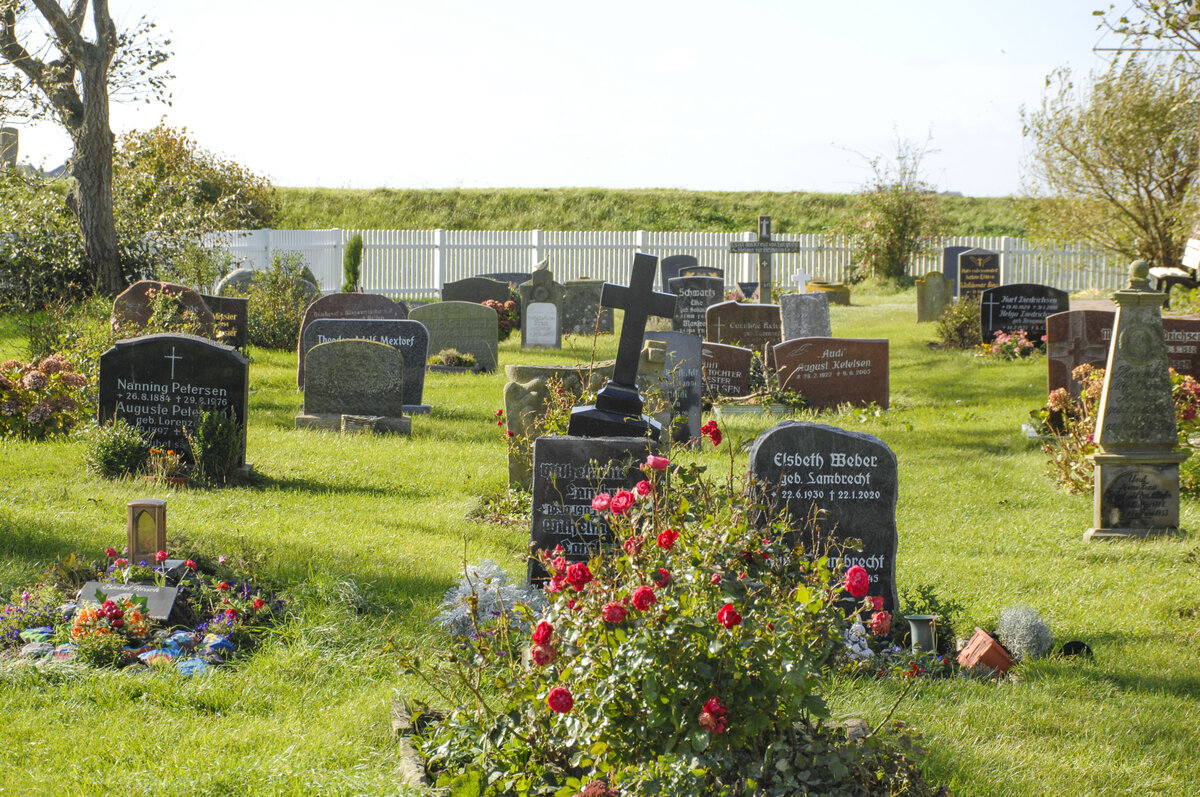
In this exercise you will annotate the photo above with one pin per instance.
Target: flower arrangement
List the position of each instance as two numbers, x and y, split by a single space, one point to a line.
1016 346
41 399
166 464
685 657
508 315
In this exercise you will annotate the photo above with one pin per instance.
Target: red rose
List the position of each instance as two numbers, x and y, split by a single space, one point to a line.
633 545
601 501
572 604
667 538
716 578
161 556
621 501
543 632
560 699
876 602
541 655
259 603
614 612
121 562
578 575
643 488
881 623
559 564
728 616
644 598
222 585
111 553
712 716
555 584
231 612
189 564
661 577
655 463
857 581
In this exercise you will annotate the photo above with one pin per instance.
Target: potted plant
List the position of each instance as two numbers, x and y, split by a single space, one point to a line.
983 649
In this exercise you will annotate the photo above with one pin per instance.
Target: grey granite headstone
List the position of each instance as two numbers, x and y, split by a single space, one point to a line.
163 383
408 337
671 266
933 296
950 265
159 600
1022 305
567 473
465 326
694 296
582 312
681 372
476 290
236 282
850 478
805 315
353 377
347 305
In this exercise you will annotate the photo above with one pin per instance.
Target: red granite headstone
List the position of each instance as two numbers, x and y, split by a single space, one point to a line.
133 307
726 369
833 371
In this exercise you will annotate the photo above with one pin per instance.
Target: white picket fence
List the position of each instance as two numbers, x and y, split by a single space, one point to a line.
416 263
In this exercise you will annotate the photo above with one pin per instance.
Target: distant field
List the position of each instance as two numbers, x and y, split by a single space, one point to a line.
606 209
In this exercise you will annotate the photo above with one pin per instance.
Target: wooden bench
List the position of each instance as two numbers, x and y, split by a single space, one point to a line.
1169 276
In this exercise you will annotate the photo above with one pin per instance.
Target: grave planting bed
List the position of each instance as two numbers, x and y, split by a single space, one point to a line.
366 534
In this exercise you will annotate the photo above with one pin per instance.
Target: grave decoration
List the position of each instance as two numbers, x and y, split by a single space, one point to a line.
464 327
672 266
1136 491
408 337
355 385
618 407
764 247
832 371
847 482
346 306
40 399
694 295
162 384
933 296
805 315
978 270
1009 308
542 302
703 271
582 312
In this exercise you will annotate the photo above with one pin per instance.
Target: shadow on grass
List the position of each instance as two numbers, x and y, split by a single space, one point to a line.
262 482
34 542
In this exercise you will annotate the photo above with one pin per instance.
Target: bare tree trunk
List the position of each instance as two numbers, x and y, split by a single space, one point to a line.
91 198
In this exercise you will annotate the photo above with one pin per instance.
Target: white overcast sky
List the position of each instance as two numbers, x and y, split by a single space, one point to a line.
771 95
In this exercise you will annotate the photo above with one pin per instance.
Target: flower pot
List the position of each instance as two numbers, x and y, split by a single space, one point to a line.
924 636
983 649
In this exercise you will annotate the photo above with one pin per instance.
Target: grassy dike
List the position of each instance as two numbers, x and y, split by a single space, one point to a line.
369 532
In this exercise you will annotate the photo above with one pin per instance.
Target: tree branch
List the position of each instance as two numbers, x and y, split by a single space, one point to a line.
69 39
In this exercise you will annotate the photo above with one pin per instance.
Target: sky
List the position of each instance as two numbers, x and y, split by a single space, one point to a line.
770 95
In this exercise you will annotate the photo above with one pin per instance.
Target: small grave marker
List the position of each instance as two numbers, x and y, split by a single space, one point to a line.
541 311
933 296
230 319
726 369
159 600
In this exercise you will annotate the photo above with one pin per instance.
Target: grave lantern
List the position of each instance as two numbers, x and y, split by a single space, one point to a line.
147 529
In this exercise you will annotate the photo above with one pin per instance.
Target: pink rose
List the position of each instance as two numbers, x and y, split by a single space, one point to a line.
881 623
560 700
655 463
621 502
667 538
644 598
578 575
541 655
601 501
857 581
543 632
614 612
643 488
716 578
728 616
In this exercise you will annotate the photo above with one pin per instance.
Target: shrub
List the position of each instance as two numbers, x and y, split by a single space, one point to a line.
42 262
351 264
958 328
278 299
453 358
216 445
508 316
924 599
116 449
1024 633
41 399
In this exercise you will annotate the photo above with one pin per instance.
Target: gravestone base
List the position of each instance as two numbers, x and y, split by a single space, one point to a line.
616 413
418 409
1136 495
337 422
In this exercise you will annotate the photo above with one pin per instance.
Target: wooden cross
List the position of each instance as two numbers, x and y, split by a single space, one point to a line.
639 301
764 247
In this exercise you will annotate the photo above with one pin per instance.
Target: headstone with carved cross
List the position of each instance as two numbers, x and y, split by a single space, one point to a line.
618 408
163 383
764 247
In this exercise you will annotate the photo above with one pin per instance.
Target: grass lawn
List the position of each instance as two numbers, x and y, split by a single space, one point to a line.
369 533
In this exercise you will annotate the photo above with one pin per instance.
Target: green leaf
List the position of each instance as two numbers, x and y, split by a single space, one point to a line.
100 596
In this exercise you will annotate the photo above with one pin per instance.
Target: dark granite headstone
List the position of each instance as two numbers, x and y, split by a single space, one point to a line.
542 302
407 336
851 478
748 289
833 371
726 369
346 305
1021 305
163 383
978 270
159 600
356 378
1083 336
582 313
465 326
672 265
618 407
567 473
508 277
229 318
681 374
694 296
753 326
950 264
703 271
475 289
133 307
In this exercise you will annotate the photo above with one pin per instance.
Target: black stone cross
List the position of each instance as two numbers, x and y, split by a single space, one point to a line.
618 408
764 247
